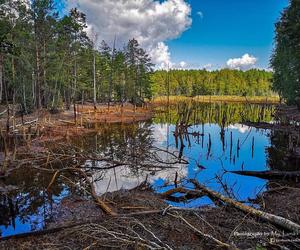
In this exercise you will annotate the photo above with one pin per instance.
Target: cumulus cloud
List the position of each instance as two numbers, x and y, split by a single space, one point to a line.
245 62
151 22
161 56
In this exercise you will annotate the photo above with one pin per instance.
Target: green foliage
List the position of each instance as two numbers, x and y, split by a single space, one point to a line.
286 57
221 82
46 60
223 114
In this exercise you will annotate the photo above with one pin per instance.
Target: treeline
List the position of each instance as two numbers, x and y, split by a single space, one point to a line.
47 60
253 82
223 114
286 56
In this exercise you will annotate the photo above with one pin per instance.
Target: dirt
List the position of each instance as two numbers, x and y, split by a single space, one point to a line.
104 232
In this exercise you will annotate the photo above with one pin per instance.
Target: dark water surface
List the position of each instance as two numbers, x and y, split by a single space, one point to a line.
216 141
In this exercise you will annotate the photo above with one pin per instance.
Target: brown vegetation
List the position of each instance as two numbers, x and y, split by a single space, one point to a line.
144 221
45 126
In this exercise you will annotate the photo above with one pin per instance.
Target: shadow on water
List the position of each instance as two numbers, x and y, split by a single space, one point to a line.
211 137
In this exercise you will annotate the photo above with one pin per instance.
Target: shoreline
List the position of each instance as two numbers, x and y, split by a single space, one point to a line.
42 126
217 99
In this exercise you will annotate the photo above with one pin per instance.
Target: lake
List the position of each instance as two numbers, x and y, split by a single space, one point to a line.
184 141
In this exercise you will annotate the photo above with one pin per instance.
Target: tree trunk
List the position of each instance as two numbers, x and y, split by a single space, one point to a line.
94 78
271 218
111 73
43 89
37 78
1 77
270 174
24 98
33 87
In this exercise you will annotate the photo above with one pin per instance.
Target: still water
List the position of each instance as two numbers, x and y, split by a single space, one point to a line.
201 141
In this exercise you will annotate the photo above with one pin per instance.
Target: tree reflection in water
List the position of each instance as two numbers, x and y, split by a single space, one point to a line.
211 137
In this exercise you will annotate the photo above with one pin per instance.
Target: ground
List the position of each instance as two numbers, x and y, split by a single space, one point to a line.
164 229
144 220
42 126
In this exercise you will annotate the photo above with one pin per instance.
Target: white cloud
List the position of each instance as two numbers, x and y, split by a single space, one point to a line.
241 128
245 62
200 14
183 64
149 21
208 66
161 56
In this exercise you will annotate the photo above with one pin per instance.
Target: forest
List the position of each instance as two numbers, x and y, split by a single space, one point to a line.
253 82
286 56
48 61
100 148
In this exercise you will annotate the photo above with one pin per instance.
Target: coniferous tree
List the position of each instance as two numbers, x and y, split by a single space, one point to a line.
286 57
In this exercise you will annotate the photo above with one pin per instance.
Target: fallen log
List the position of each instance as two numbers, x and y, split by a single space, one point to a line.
270 174
271 218
25 123
187 195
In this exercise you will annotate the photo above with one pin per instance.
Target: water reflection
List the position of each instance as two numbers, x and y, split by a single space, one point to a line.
210 137
137 154
26 205
216 141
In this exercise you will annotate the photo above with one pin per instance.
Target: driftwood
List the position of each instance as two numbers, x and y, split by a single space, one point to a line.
270 174
271 218
100 202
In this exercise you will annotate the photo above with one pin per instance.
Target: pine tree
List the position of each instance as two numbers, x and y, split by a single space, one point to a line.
286 57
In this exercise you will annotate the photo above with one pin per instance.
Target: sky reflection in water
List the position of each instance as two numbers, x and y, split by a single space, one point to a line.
244 187
28 208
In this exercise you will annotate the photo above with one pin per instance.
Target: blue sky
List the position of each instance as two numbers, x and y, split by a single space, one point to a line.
192 33
228 29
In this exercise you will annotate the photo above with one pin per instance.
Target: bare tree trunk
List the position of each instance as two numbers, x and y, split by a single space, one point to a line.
24 98
7 104
94 71
1 76
33 88
37 78
14 85
94 76
111 73
44 95
271 218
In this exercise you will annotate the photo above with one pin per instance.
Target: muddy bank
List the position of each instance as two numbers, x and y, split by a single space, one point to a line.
34 130
167 229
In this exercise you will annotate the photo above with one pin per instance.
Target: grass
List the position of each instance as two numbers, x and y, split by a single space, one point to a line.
215 98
